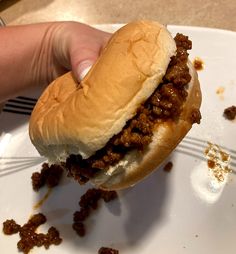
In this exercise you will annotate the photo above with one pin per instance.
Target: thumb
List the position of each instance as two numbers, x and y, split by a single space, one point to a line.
82 60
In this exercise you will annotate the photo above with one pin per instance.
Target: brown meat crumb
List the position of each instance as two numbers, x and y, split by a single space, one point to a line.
168 167
90 199
79 169
198 64
49 175
105 250
230 113
88 202
108 196
28 237
79 228
82 214
53 236
195 116
10 227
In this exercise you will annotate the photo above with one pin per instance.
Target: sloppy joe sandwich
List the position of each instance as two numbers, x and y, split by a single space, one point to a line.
130 111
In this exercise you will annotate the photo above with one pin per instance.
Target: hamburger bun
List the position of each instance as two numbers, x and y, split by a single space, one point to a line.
71 118
134 167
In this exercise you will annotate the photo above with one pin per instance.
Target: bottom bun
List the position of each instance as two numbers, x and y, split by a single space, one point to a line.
136 165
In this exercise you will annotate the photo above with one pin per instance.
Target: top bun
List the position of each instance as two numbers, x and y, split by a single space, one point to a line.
71 118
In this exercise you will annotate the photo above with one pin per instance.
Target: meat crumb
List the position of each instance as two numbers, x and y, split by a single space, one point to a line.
105 250
28 237
195 116
108 196
79 228
168 167
49 175
88 202
82 214
10 227
230 113
198 64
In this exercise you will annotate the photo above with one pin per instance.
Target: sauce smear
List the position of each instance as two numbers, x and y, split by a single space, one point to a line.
198 64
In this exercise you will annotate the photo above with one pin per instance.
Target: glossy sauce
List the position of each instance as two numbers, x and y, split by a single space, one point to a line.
41 202
198 64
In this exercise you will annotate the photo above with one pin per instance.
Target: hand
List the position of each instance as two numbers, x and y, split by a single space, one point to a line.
34 55
77 46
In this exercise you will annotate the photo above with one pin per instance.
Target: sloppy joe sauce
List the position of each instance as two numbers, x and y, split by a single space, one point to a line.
198 64
165 104
218 162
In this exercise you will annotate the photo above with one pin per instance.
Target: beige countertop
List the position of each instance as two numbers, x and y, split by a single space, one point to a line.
209 13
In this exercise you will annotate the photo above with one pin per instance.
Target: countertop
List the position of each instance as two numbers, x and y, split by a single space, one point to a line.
208 13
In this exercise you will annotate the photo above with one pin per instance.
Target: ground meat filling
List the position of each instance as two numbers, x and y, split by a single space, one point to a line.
164 104
105 250
29 238
230 113
10 227
88 202
49 175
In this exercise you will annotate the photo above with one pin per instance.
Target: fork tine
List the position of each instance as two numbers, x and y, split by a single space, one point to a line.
199 154
190 153
203 143
10 105
21 102
16 111
27 98
20 105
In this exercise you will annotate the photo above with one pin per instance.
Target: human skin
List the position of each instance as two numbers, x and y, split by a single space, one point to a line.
35 54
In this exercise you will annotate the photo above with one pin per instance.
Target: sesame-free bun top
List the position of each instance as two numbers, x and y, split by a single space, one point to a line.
71 118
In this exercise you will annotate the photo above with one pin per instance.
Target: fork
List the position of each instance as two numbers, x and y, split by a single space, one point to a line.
195 147
190 146
20 105
2 23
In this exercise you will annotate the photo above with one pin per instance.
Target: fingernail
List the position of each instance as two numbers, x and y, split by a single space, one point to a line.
84 72
83 69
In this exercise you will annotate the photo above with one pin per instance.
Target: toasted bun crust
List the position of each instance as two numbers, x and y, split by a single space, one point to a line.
80 119
167 135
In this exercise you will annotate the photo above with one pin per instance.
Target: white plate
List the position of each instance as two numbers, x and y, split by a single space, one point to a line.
166 213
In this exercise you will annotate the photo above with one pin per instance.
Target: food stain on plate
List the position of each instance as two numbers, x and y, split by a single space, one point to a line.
209 178
198 64
220 92
43 199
